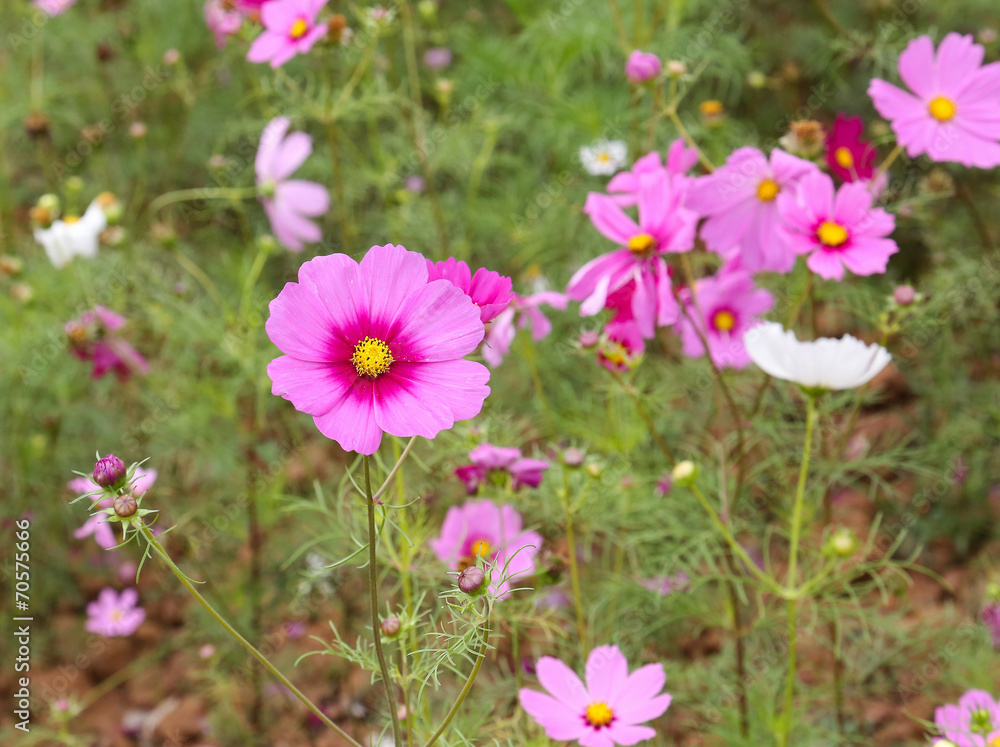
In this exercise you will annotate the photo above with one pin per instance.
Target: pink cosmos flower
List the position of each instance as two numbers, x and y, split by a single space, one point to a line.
680 160
489 290
732 305
290 28
494 533
642 66
739 201
500 464
53 7
666 585
375 348
526 310
437 58
849 157
93 337
289 203
973 722
620 347
223 20
113 614
953 113
98 527
991 619
837 229
663 226
609 710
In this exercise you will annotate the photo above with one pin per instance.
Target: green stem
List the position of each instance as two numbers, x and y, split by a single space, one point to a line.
243 641
253 275
202 193
397 734
481 656
574 574
884 167
616 17
793 557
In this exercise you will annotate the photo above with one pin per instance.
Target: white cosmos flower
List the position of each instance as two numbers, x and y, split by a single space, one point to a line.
826 363
603 158
69 238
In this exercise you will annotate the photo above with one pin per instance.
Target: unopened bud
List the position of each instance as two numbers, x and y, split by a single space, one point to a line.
171 57
138 130
676 68
471 579
684 473
904 295
125 505
594 469
109 471
391 626
843 542
573 457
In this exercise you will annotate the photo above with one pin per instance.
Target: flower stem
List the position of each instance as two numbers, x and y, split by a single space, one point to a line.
574 573
243 641
480 657
793 558
397 734
884 166
201 193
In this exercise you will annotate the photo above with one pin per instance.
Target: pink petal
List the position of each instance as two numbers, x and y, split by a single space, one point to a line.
265 46
609 219
628 735
422 399
314 388
351 422
390 273
438 322
563 683
958 60
917 68
559 721
607 673
290 155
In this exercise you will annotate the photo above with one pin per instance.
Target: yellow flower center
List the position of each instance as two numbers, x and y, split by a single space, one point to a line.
723 321
604 158
482 548
641 243
942 109
711 108
831 234
371 357
71 219
117 615
843 157
598 714
767 190
299 29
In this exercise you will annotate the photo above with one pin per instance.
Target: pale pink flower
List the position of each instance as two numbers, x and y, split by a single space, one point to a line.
608 710
680 160
953 113
525 311
290 28
98 526
223 20
53 7
973 722
113 614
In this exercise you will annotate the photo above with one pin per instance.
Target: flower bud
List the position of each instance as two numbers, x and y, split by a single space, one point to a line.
684 473
171 57
427 9
676 68
391 626
11 265
594 469
21 292
993 591
109 472
842 542
642 67
36 124
471 579
138 130
904 295
573 457
756 79
125 506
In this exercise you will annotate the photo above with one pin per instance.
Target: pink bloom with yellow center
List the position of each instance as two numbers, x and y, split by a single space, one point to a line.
620 346
731 305
953 112
610 709
290 28
490 291
113 615
739 201
289 203
94 337
849 157
375 348
973 722
837 229
680 160
500 464
482 529
664 226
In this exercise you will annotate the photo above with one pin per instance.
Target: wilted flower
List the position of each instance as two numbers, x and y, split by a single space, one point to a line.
805 138
223 20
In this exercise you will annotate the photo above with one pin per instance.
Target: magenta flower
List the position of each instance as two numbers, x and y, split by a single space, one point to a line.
732 305
501 465
849 157
991 619
837 229
953 113
663 226
489 290
525 311
609 710
620 346
289 203
290 28
223 20
739 200
973 722
374 348
680 160
113 615
481 529
93 337
642 66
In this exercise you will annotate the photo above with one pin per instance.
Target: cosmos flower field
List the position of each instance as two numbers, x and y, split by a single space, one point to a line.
500 373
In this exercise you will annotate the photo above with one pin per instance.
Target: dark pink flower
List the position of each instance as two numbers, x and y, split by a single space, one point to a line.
621 346
375 348
489 290
849 157
93 337
290 28
642 66
500 465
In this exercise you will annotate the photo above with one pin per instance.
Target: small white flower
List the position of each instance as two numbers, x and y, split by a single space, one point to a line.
603 158
69 238
825 363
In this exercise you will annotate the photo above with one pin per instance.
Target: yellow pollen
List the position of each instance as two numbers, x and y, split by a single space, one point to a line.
603 157
641 243
767 190
71 219
371 357
831 234
723 321
711 108
843 157
598 714
482 548
942 109
117 615
299 29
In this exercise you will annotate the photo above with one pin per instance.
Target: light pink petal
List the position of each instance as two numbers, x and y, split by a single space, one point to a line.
563 683
639 700
917 68
291 154
594 738
559 721
628 735
609 219
826 264
607 673
283 55
958 60
305 198
265 46
852 204
270 144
